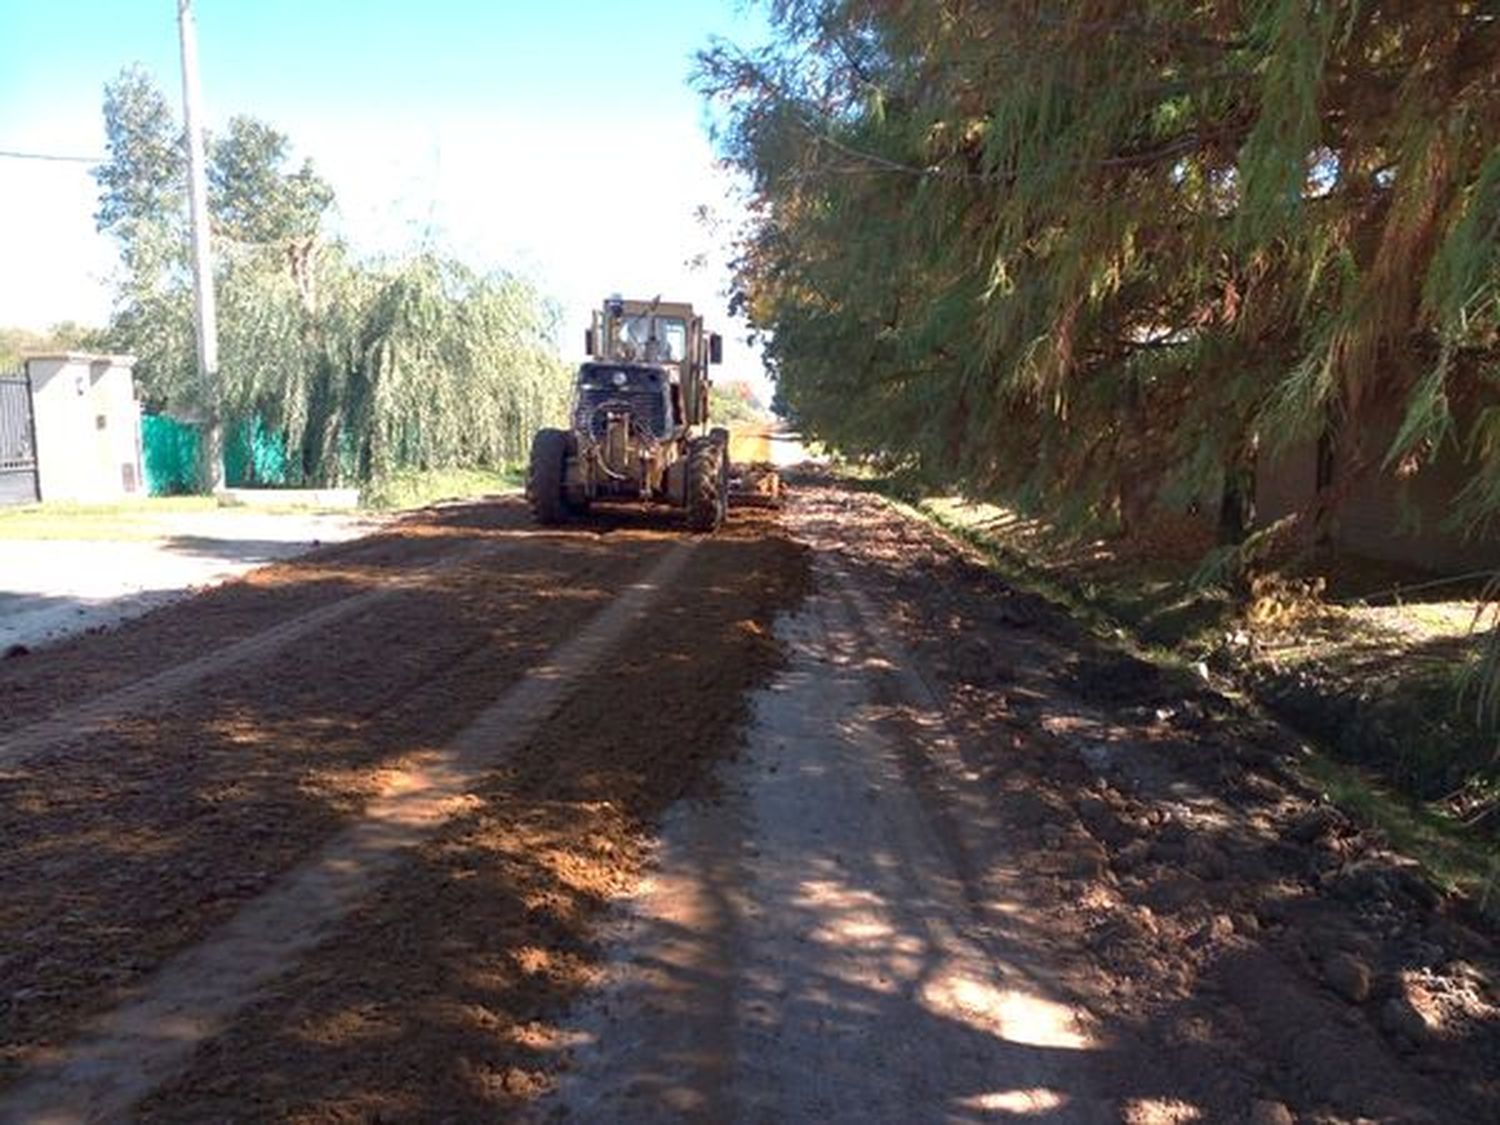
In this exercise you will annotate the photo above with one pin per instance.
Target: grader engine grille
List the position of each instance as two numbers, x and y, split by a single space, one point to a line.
643 395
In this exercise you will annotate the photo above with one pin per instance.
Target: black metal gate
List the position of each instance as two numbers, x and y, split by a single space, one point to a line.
18 483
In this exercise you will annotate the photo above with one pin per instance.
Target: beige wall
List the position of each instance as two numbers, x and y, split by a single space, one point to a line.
1381 516
1285 482
88 427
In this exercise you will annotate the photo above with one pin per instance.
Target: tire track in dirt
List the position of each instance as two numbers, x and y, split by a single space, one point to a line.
125 848
816 947
97 714
136 1047
436 1000
76 671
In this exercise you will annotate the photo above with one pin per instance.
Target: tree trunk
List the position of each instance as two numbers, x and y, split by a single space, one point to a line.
1237 501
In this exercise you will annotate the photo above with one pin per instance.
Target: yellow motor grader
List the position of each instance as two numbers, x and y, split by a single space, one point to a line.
640 428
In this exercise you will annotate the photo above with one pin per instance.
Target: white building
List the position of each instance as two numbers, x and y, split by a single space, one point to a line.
88 427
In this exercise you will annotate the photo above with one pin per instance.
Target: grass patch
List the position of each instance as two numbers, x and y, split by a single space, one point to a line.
143 519
140 520
1456 859
1098 606
1143 584
124 519
1377 690
1015 570
418 488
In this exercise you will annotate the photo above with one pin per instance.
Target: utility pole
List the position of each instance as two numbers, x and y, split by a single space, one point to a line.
211 451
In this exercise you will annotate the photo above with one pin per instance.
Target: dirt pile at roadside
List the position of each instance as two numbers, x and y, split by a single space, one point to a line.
1243 944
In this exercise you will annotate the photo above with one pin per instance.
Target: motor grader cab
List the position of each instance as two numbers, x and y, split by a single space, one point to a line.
639 427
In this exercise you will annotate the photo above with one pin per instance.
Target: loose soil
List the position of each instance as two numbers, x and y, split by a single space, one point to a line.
439 999
1241 950
133 843
1239 941
1371 659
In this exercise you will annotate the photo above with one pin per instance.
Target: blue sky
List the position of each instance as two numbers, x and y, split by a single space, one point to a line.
560 139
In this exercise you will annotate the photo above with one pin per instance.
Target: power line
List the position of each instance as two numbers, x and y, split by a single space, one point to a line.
10 154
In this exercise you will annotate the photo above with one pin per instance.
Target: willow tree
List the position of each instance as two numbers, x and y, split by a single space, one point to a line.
1098 252
416 363
355 368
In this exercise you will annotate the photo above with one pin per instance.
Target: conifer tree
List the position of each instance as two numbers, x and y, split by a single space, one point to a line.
1102 252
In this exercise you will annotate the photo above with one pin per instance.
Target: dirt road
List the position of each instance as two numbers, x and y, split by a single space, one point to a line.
813 819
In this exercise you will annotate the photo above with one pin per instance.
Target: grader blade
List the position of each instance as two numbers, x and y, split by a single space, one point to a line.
755 485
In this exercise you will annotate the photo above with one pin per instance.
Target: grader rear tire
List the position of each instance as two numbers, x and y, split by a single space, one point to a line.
707 494
544 476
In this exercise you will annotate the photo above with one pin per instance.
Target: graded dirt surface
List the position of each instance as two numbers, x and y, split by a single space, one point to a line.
132 842
438 998
837 825
976 865
135 843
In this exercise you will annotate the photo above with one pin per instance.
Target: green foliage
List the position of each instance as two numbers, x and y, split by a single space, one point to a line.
142 186
252 198
17 343
1078 252
730 403
420 364
412 488
352 370
1088 255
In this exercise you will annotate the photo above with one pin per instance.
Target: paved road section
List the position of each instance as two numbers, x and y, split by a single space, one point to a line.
54 588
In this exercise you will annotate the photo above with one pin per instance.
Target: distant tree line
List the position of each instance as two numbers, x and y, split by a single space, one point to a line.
17 343
359 367
735 402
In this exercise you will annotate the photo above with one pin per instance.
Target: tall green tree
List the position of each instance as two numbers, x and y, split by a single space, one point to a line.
257 201
356 368
142 184
142 205
253 196
1099 253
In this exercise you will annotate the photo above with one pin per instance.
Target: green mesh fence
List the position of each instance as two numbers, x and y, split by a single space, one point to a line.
170 451
256 457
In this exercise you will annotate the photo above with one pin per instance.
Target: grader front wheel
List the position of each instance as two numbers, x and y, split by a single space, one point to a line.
707 484
545 475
